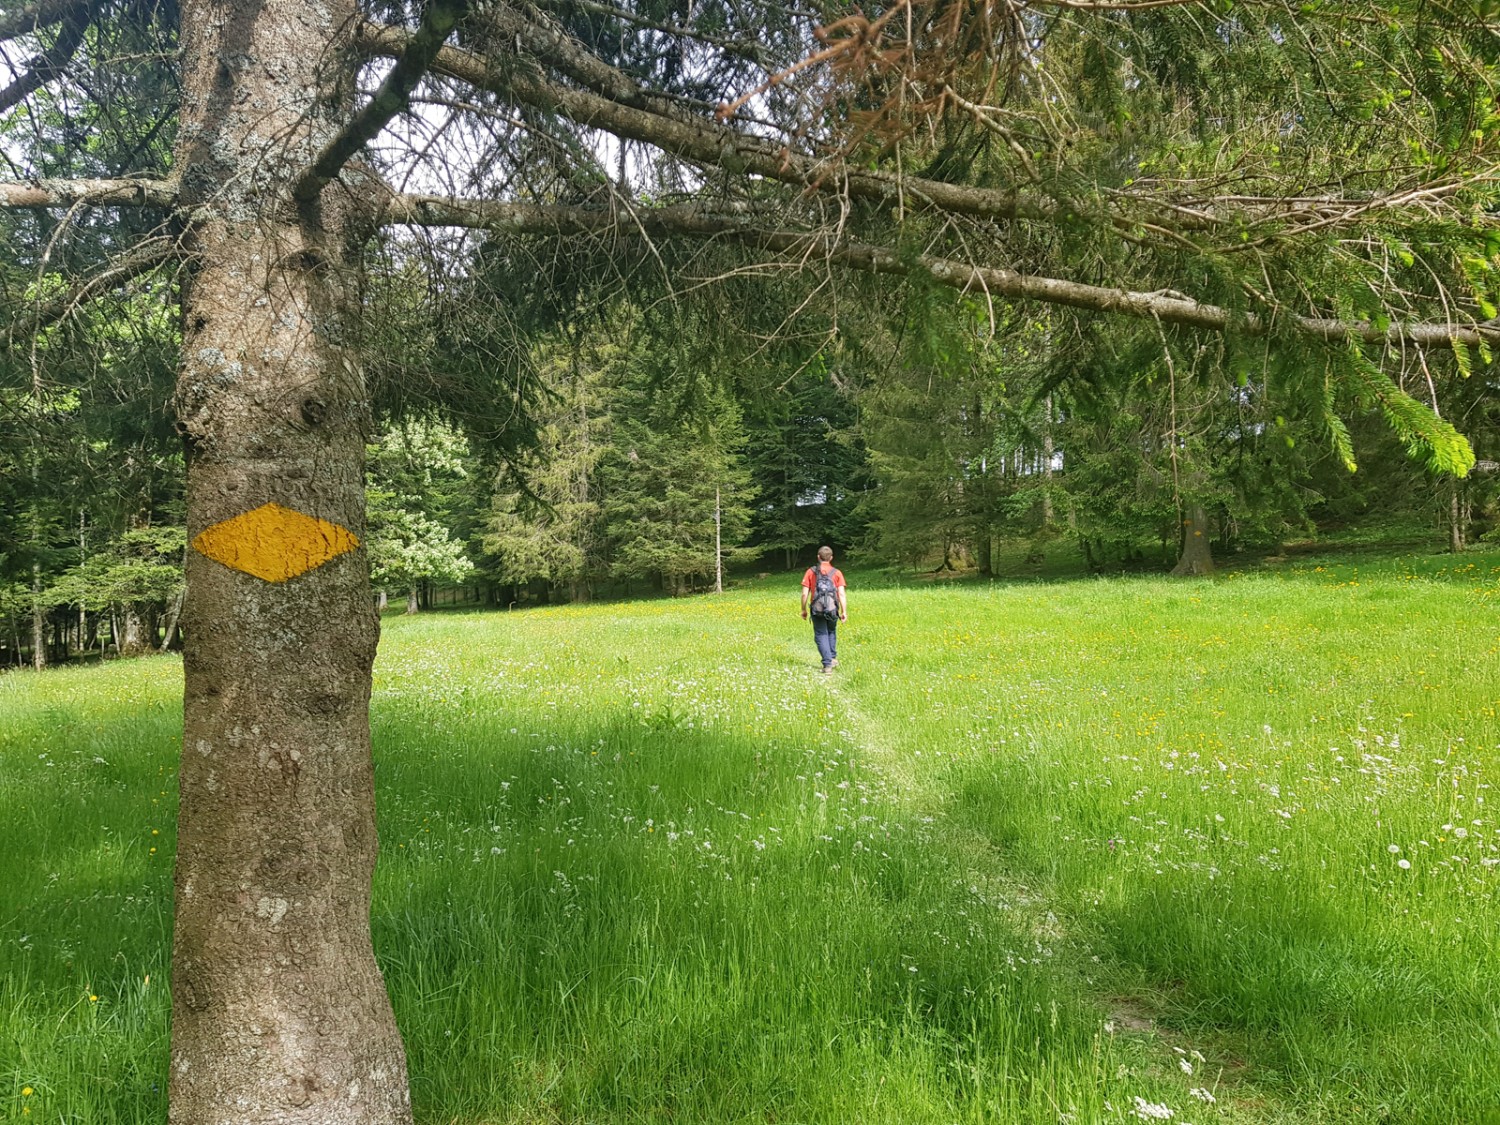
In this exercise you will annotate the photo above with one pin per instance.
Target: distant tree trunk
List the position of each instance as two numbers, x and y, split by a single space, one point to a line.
140 631
174 615
1197 557
1456 519
718 544
984 551
38 620
382 600
1047 454
413 601
279 1013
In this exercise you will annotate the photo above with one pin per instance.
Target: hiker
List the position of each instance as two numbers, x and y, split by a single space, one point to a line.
823 595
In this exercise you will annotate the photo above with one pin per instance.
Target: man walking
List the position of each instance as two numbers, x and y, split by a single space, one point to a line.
823 595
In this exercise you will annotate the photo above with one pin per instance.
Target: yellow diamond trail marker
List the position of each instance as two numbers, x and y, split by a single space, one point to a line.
274 543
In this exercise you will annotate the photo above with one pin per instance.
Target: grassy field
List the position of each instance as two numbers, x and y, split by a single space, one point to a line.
1091 851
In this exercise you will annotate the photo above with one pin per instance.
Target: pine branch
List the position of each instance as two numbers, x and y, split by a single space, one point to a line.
614 102
691 138
50 63
29 18
439 18
94 193
34 316
743 225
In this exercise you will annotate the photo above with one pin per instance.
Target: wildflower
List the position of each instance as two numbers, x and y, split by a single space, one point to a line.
1151 1111
1202 1095
26 1091
1394 849
1404 864
1185 1066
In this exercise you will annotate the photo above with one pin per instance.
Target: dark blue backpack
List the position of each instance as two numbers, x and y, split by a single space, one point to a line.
825 602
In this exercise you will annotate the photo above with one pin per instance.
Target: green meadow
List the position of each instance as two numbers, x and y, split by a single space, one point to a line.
1078 851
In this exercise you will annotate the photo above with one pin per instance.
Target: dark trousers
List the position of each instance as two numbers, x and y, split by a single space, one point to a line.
825 632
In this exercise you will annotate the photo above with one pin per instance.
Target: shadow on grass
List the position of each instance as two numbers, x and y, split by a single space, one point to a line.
642 924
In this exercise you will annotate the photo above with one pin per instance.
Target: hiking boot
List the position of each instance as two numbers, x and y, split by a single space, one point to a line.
828 669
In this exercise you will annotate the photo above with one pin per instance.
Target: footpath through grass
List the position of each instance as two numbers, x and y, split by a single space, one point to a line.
1093 852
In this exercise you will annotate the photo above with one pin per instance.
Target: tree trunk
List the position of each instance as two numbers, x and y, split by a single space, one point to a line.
1456 520
38 620
1048 453
984 552
381 601
174 616
718 544
279 1013
1197 557
413 601
136 640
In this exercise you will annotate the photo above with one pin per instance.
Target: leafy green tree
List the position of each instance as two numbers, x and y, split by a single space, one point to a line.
417 493
137 581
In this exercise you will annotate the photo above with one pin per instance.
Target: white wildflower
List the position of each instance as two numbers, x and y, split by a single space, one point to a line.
1202 1095
1151 1111
1185 1066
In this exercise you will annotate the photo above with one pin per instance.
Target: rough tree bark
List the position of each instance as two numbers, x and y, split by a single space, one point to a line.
1197 556
140 630
279 1012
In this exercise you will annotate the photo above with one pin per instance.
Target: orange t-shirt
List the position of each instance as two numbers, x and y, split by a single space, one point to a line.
810 582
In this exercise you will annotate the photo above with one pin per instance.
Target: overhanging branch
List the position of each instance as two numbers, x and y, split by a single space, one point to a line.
612 101
44 194
693 139
50 63
743 225
439 17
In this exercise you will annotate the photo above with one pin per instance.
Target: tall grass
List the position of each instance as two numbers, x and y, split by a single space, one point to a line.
1078 851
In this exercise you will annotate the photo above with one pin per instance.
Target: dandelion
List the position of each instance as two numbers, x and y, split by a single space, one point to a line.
26 1091
1394 849
1404 864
